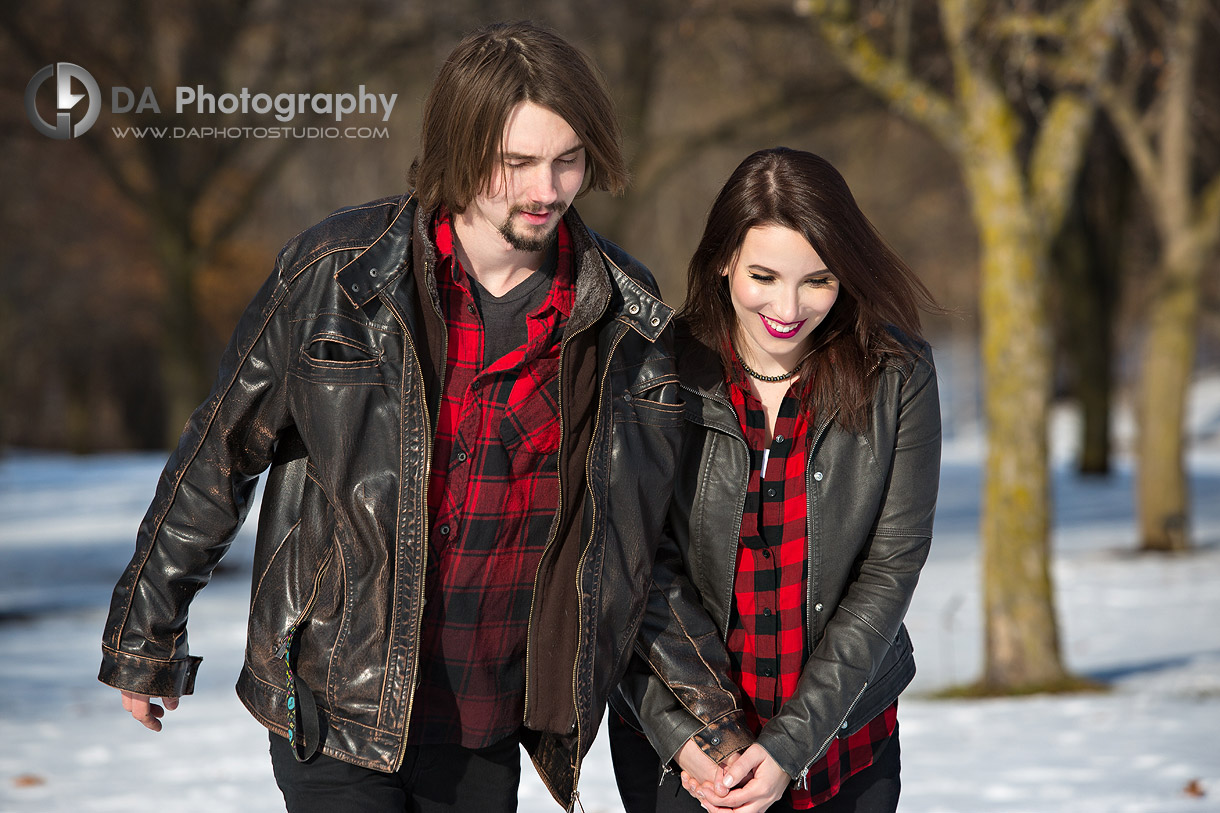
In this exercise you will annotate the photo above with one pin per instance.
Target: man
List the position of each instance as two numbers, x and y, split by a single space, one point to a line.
468 405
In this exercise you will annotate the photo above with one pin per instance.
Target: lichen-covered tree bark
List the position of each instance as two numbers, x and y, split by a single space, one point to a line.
1020 170
1167 149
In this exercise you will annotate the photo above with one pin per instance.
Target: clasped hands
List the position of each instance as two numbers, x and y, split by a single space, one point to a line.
747 782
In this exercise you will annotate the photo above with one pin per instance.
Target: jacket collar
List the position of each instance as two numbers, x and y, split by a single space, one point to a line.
699 366
600 282
700 371
375 267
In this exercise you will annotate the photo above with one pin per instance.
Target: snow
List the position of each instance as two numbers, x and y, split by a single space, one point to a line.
1148 626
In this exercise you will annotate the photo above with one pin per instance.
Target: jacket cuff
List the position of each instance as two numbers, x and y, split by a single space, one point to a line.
785 755
721 738
151 676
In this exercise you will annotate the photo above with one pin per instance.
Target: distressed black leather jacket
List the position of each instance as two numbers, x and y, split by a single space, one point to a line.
332 381
871 500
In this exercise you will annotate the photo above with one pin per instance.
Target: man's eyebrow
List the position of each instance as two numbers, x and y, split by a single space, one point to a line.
520 156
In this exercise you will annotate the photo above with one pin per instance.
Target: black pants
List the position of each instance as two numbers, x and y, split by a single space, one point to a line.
432 779
637 770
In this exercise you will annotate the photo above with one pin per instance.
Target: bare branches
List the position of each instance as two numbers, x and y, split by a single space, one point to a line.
1151 104
887 76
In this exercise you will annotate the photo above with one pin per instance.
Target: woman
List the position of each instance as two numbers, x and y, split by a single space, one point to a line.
773 650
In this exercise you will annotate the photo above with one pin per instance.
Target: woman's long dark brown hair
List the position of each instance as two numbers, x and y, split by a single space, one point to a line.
877 291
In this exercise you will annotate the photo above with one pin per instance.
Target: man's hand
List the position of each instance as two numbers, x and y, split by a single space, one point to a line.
147 712
699 772
697 767
759 779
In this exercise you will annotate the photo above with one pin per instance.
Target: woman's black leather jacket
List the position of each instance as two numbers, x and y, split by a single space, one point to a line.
871 499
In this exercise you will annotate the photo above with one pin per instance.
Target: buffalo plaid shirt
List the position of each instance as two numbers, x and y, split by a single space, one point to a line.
766 640
492 497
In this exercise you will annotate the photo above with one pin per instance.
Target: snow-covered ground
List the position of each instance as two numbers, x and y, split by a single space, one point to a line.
1149 626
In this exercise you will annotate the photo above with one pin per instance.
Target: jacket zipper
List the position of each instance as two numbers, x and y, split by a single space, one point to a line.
802 779
812 452
563 427
809 579
282 642
409 351
581 565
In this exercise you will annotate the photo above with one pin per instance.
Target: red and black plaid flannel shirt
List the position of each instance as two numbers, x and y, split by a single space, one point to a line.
492 497
766 639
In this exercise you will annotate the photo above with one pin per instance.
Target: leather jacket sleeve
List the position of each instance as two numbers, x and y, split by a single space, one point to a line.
675 704
871 610
202 498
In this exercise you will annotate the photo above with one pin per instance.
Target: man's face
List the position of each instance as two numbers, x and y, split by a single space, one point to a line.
542 166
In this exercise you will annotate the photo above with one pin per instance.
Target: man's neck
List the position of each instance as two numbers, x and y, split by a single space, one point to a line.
489 258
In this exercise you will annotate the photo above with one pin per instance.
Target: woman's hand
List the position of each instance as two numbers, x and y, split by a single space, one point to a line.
759 782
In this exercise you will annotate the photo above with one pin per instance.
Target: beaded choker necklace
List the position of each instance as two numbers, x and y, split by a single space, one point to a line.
770 379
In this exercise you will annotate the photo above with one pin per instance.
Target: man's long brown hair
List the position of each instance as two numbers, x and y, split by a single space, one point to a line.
491 71
877 291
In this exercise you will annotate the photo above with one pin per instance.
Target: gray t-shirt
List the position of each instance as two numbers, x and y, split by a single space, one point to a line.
504 325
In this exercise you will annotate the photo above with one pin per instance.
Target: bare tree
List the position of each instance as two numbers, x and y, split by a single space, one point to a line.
1088 259
1174 149
1008 91
195 192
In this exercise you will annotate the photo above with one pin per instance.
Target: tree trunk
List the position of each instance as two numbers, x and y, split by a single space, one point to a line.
1086 258
1168 360
1081 340
1021 637
184 374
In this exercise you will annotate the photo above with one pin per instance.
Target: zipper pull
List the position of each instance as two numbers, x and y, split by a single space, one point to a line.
280 650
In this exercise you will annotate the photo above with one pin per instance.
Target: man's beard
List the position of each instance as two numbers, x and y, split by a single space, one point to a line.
532 240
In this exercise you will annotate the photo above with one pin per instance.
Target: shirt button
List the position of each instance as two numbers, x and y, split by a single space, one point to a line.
470 307
444 529
771 492
461 457
474 385
817 475
779 438
767 612
766 554
767 672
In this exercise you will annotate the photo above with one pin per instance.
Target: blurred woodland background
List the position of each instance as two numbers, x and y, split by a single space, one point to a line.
1051 168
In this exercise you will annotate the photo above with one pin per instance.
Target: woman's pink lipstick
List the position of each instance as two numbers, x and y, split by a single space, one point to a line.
787 334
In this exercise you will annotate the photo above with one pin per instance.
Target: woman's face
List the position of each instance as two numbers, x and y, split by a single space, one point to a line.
781 290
